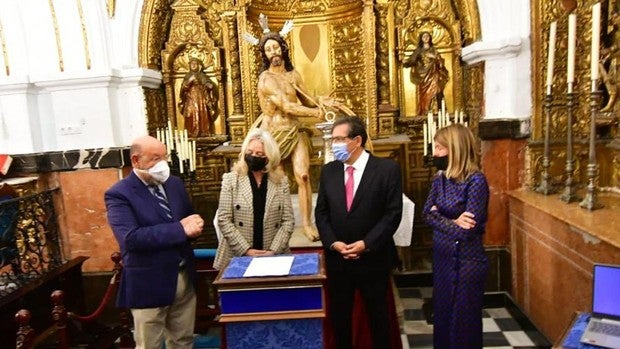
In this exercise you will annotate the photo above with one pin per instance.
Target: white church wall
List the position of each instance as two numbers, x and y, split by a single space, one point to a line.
74 80
97 95
505 49
17 130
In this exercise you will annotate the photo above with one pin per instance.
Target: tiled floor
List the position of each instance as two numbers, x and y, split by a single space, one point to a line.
504 327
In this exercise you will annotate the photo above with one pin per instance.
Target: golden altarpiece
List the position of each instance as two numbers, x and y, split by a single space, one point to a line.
350 49
355 50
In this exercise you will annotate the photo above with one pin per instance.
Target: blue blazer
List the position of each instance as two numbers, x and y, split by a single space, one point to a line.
152 245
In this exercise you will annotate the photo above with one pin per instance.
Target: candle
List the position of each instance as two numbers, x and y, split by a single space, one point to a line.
181 146
596 37
164 134
551 56
425 139
177 137
429 121
169 136
433 129
186 146
572 30
193 155
176 142
443 107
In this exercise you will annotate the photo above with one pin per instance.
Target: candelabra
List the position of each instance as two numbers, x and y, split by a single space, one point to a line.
326 128
545 186
569 195
430 127
590 202
181 168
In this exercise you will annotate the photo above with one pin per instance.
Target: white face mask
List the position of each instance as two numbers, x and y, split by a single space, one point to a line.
160 171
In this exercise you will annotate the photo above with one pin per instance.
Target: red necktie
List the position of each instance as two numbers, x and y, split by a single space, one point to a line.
349 185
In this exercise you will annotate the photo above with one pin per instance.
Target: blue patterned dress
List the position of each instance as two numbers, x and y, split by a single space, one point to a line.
460 264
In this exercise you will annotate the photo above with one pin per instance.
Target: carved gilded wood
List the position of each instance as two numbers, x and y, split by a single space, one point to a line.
189 38
331 46
544 12
347 48
156 111
440 20
156 15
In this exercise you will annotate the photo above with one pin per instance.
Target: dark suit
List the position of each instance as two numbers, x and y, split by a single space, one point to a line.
374 217
152 245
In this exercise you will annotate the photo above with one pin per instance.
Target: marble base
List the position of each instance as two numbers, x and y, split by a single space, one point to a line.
554 247
299 240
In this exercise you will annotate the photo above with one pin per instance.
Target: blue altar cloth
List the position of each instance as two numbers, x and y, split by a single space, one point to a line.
303 264
571 341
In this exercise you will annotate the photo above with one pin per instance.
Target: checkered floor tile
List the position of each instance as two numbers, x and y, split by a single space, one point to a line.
501 329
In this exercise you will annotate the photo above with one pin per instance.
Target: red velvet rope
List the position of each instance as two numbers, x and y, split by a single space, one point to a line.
106 299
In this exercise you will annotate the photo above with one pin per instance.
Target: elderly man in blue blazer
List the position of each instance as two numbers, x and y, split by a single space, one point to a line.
153 221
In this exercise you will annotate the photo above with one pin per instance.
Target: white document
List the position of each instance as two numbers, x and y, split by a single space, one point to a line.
269 266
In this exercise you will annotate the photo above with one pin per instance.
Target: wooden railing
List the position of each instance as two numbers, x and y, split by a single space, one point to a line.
32 268
68 329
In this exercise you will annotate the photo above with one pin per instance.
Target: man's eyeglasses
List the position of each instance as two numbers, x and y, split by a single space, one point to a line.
340 139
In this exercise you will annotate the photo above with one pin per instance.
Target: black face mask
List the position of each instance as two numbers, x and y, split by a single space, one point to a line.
441 162
255 163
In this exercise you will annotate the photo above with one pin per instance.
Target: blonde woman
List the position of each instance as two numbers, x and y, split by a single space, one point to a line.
456 210
255 215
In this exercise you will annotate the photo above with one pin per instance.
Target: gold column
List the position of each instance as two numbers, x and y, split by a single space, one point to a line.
368 20
383 71
236 121
386 114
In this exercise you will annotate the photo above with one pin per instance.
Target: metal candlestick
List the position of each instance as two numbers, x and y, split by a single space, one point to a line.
326 127
590 202
545 187
569 190
428 158
175 163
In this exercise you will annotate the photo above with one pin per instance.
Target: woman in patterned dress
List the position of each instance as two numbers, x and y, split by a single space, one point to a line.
456 210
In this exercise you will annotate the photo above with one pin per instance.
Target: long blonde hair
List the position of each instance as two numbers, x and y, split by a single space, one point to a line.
272 152
462 155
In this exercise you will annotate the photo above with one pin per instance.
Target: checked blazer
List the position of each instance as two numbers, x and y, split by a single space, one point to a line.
236 217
